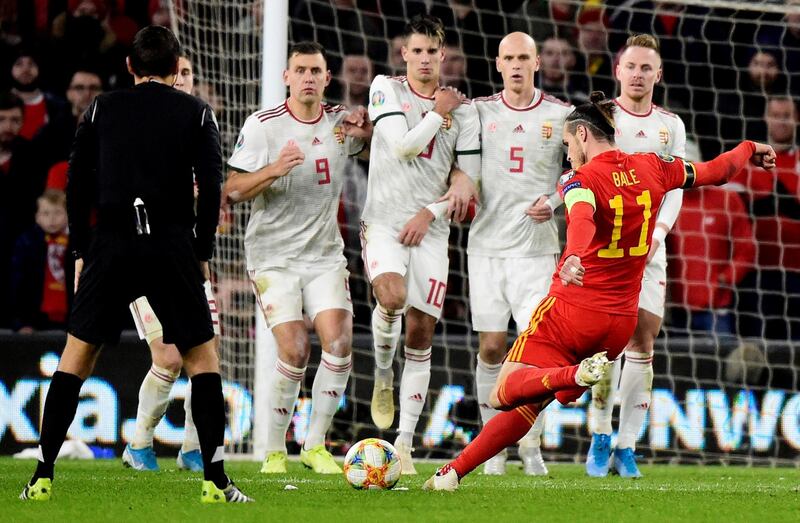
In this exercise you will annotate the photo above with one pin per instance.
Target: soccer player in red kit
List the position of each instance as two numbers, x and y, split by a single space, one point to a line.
612 199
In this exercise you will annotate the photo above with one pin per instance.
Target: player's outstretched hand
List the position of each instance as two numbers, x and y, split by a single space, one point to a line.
357 123
446 99
572 271
764 156
416 228
539 211
290 157
461 192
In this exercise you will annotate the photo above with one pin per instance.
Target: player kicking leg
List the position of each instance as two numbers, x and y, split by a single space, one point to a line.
641 127
513 241
155 390
597 266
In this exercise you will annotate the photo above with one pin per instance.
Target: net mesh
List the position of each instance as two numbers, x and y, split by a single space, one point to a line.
726 363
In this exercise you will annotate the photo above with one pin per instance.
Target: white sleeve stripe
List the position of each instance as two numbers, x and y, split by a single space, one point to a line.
94 111
203 118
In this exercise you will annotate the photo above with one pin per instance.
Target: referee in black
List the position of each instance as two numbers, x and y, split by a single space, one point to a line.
134 159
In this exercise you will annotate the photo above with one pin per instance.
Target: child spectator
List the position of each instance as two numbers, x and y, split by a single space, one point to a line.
38 284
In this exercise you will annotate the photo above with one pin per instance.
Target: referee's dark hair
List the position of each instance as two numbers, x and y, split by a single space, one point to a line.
155 52
597 115
9 100
308 48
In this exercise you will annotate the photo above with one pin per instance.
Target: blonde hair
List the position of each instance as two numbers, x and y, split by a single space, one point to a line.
643 40
54 197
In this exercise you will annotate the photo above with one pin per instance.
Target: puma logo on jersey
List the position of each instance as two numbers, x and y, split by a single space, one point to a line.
317 141
641 134
547 130
519 129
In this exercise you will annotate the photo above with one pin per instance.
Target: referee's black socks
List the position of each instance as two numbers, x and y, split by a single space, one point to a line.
59 411
208 412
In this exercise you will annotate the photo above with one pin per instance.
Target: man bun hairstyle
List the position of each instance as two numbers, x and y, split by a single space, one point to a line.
155 52
430 26
597 115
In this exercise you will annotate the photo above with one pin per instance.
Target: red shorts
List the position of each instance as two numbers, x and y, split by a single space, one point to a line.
560 334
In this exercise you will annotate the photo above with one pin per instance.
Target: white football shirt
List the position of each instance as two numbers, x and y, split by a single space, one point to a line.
398 189
521 159
294 220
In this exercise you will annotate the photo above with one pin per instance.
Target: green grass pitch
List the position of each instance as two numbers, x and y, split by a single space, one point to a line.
105 491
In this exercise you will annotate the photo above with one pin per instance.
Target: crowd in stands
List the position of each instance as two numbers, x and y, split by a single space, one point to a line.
730 75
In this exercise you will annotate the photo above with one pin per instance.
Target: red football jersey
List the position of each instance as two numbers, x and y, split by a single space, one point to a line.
626 191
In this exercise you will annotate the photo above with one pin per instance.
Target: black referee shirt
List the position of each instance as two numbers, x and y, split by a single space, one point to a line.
150 142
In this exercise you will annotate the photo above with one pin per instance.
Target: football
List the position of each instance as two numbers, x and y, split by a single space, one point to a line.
372 464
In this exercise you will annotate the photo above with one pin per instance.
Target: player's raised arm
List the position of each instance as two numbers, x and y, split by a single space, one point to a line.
249 175
687 174
391 124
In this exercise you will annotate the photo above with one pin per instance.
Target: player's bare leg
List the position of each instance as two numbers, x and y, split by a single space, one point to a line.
283 388
414 381
335 330
390 292
208 405
153 402
635 388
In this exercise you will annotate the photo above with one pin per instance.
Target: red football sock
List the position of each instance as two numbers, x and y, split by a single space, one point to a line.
504 429
533 385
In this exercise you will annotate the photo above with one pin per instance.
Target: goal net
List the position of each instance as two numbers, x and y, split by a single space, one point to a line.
726 362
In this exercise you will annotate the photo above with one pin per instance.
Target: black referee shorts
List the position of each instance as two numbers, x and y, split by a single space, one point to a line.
117 270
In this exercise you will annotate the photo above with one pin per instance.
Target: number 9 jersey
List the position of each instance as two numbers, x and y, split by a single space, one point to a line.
294 220
625 191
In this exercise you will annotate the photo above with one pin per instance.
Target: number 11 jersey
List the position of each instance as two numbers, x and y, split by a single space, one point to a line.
625 191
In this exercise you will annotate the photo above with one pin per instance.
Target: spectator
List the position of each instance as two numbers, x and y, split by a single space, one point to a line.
557 71
397 66
453 72
542 20
21 180
55 139
712 251
770 297
38 284
791 44
352 86
743 110
595 60
39 106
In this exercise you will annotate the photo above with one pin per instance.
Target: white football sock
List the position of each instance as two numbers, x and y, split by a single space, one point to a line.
386 329
414 387
190 439
153 401
284 388
485 377
602 406
327 391
635 388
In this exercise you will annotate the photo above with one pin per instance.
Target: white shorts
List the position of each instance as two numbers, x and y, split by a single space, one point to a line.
423 267
283 293
654 287
500 288
148 326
